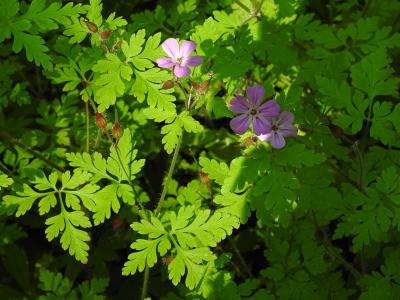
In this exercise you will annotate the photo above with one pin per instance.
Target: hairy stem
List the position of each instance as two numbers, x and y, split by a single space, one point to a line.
31 151
163 194
169 174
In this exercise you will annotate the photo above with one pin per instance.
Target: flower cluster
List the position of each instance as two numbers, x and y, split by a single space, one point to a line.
266 120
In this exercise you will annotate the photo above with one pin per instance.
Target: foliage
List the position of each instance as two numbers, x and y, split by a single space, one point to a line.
137 174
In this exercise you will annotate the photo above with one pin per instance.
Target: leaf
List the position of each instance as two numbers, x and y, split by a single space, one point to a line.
141 57
215 170
386 124
371 75
208 230
356 114
273 194
190 261
109 84
24 199
235 205
297 156
127 154
146 255
5 181
149 83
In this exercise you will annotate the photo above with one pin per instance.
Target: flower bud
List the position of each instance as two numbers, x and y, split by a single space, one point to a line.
117 131
166 260
195 85
104 34
168 85
204 177
117 45
101 121
203 86
91 26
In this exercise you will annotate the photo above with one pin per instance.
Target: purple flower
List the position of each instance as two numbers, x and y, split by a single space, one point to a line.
180 57
280 127
253 112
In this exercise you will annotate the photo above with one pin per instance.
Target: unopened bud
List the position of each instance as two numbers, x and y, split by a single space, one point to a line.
204 85
117 45
91 26
168 85
105 34
249 141
195 85
117 131
100 121
204 177
166 260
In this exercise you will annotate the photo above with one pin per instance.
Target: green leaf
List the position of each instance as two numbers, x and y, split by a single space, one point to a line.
72 239
297 156
141 57
371 75
5 181
386 123
234 204
215 170
149 83
190 261
203 230
109 84
356 114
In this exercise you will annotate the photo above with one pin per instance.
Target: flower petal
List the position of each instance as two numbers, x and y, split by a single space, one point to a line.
255 94
181 71
186 48
171 47
277 140
286 118
288 130
261 125
265 137
165 62
193 61
239 105
240 124
269 109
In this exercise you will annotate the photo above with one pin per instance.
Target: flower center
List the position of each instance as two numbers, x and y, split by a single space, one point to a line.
253 111
275 128
179 60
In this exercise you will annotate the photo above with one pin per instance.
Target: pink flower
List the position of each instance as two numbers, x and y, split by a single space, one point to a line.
180 57
280 127
253 112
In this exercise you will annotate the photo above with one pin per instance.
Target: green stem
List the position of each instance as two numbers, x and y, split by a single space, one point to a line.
145 282
163 194
87 126
169 174
242 5
31 151
131 184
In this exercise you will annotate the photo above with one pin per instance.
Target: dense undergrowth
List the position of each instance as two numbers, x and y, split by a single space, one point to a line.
122 176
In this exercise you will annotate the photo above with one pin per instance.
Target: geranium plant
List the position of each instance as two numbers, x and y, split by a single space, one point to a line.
236 149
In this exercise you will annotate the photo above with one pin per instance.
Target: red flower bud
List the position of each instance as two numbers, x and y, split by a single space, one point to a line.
105 34
91 26
166 260
101 121
204 177
168 85
195 85
117 131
